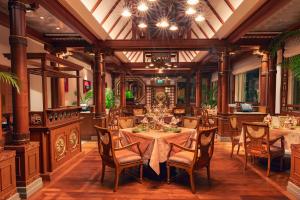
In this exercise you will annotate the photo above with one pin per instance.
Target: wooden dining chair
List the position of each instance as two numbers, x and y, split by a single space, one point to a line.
118 158
190 122
112 119
206 120
257 143
195 158
126 122
235 134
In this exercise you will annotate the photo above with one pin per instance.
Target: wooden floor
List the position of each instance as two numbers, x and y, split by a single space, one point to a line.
229 181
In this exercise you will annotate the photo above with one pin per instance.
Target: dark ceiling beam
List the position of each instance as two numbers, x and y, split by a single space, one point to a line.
122 29
95 6
188 44
114 24
109 12
193 31
214 11
265 11
195 65
31 33
229 4
202 30
59 11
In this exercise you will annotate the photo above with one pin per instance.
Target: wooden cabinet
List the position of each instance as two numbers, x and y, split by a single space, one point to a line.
295 164
7 174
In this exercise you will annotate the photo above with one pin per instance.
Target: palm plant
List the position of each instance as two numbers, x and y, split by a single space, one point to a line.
211 94
10 79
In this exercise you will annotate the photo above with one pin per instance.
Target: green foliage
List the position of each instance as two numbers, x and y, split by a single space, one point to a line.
87 97
129 94
10 79
292 62
109 98
211 96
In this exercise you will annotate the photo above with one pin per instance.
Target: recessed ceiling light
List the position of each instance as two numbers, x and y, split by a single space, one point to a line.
163 23
41 17
147 67
192 2
28 11
169 68
190 11
152 0
151 65
57 28
173 27
126 12
142 25
199 18
142 7
175 66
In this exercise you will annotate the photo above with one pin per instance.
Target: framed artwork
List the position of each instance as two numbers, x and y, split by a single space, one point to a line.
87 85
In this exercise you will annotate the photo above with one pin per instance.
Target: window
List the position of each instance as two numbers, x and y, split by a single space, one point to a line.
247 86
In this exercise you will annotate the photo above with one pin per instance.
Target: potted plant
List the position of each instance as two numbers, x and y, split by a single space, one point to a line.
129 97
109 99
84 100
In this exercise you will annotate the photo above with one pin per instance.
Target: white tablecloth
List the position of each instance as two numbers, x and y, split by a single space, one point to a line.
155 144
291 136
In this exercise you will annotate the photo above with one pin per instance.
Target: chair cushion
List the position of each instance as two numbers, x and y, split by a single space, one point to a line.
126 156
184 157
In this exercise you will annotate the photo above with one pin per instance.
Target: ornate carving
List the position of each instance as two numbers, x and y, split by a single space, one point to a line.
60 146
73 138
36 119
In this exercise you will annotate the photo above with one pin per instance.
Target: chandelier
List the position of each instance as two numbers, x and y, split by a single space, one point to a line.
167 19
161 60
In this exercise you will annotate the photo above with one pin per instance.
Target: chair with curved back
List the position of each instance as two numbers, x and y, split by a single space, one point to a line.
194 158
112 119
190 122
206 120
126 122
235 134
118 158
257 143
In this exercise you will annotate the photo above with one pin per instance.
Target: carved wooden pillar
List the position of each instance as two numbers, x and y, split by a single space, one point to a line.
219 102
123 90
264 79
272 85
27 153
198 89
224 75
99 91
18 44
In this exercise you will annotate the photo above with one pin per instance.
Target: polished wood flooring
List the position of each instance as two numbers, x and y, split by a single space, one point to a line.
228 181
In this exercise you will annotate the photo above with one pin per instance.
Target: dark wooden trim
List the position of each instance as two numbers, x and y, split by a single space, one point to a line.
202 30
229 4
266 10
122 29
215 12
95 6
210 26
188 55
113 26
138 56
110 11
195 33
182 54
127 34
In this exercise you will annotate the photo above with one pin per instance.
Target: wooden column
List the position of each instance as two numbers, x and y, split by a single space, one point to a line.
123 90
18 45
224 81
219 102
99 75
272 85
1 133
188 91
264 79
198 89
27 153
61 92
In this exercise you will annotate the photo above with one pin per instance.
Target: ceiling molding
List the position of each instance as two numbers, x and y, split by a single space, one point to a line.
187 44
59 11
266 10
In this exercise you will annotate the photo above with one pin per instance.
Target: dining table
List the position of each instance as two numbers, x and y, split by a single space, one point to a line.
291 136
167 118
155 144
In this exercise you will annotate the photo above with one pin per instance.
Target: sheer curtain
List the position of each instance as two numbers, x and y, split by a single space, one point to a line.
240 87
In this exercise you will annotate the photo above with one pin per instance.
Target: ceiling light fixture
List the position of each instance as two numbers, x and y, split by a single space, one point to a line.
192 2
126 12
163 23
143 7
173 27
57 28
41 17
142 25
190 11
199 18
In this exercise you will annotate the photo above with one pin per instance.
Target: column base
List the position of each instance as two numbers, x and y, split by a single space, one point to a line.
293 189
26 192
16 196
